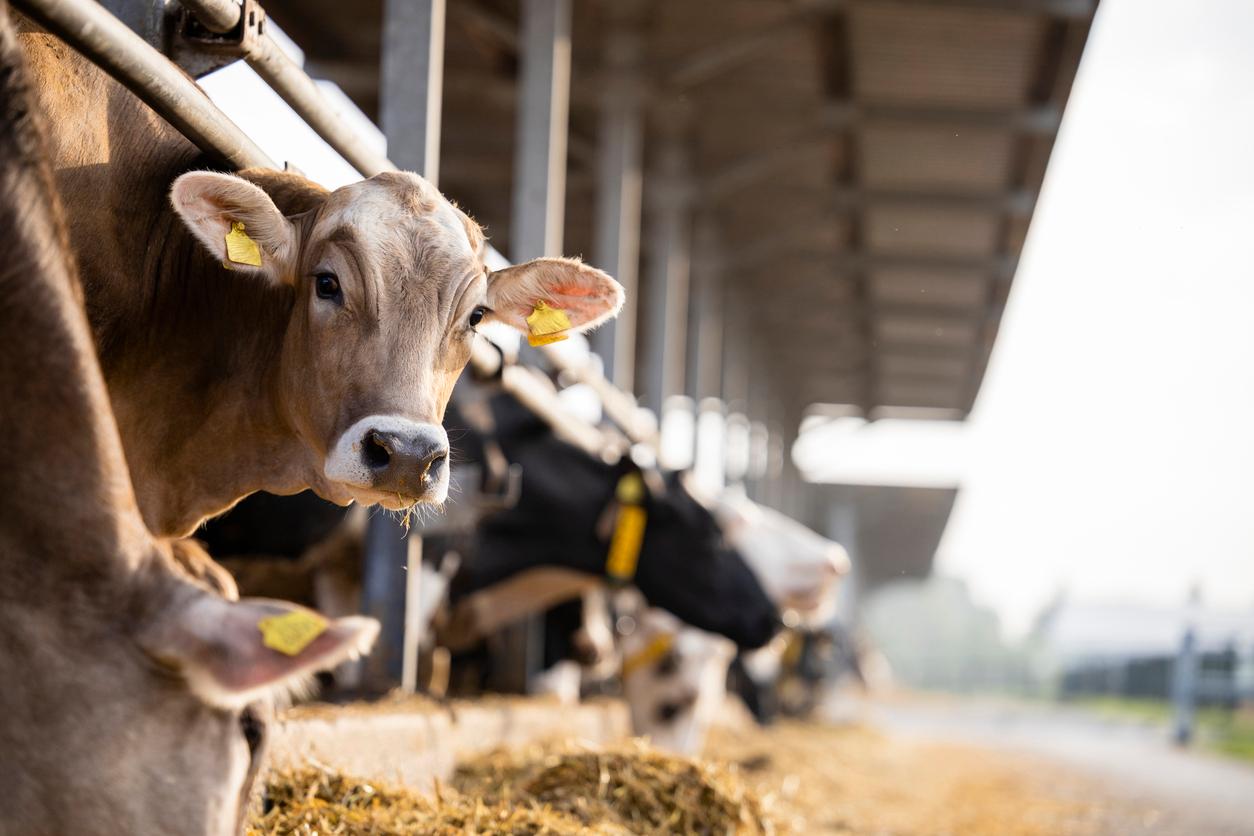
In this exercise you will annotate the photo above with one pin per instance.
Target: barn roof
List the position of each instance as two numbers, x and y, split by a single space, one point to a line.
870 167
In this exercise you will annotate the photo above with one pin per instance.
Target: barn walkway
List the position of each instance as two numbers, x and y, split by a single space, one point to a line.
1171 791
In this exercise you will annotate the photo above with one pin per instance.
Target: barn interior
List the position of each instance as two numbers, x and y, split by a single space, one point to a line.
825 202
817 209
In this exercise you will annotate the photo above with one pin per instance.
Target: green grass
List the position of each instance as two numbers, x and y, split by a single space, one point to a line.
1227 733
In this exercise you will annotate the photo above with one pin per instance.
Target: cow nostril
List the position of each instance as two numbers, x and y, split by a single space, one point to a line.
376 453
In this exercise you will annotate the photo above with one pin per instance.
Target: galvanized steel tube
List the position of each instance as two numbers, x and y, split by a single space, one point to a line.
108 43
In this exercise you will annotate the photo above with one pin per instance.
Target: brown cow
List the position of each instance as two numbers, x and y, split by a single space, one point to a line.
122 708
326 367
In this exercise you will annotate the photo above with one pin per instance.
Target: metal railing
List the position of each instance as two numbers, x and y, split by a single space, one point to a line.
173 95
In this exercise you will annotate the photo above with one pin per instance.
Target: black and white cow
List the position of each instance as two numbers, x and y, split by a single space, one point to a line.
564 517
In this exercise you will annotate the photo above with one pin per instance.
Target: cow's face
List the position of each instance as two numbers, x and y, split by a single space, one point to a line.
674 681
147 712
688 568
389 286
799 569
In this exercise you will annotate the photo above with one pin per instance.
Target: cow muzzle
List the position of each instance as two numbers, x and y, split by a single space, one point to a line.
392 461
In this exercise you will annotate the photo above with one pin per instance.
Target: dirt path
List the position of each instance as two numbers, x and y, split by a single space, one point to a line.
1174 791
824 779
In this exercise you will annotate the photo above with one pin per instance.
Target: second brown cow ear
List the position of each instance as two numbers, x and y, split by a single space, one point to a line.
582 296
237 223
232 653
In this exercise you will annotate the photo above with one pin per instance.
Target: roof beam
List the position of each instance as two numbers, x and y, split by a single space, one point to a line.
843 117
755 256
1072 9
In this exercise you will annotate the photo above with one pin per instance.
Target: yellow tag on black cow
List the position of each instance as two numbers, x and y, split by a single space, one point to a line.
240 249
546 325
291 632
649 655
625 543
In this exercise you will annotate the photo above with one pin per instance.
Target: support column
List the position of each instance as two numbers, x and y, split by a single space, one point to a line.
705 356
537 222
842 526
412 81
669 231
704 367
617 246
539 203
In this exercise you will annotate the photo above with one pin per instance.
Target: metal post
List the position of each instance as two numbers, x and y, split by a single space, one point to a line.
413 72
413 83
145 17
1184 675
383 597
842 527
706 314
619 183
540 142
669 244
414 627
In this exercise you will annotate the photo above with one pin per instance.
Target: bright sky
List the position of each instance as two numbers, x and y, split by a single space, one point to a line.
1112 448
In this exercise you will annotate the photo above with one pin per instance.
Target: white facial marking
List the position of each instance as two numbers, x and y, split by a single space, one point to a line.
346 464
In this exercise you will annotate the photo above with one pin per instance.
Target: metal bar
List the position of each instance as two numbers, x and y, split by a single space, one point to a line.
1079 9
108 43
618 207
413 82
539 202
414 628
293 85
669 232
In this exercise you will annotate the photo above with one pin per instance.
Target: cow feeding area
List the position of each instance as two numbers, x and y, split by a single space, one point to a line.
563 790
791 778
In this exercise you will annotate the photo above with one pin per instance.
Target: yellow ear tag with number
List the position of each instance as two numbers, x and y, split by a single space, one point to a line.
240 249
546 325
291 632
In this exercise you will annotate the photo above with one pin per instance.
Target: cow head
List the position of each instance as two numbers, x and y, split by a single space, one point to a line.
144 698
387 286
564 517
799 569
674 680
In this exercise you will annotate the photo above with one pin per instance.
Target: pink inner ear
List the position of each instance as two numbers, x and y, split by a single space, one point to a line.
580 289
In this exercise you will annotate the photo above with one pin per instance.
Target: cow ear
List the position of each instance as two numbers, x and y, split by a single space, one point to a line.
584 295
232 653
237 223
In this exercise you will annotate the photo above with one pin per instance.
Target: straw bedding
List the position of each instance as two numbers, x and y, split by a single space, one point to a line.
624 790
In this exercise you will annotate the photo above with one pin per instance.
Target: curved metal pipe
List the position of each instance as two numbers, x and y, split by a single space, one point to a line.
108 43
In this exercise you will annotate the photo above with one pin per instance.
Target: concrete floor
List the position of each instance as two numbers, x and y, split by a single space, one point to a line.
1169 790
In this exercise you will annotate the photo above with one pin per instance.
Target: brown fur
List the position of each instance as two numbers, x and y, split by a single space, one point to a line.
208 368
225 382
102 727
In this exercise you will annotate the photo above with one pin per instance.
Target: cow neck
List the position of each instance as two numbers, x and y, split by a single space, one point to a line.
69 527
206 360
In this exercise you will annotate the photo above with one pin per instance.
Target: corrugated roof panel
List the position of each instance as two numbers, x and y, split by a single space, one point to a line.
927 231
918 287
918 365
924 330
910 53
935 157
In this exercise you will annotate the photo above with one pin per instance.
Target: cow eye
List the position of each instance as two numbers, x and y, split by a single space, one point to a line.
327 286
476 316
254 731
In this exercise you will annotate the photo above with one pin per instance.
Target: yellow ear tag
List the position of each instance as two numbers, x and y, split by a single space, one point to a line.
240 249
291 632
546 325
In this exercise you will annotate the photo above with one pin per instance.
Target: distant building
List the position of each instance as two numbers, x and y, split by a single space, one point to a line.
1129 650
